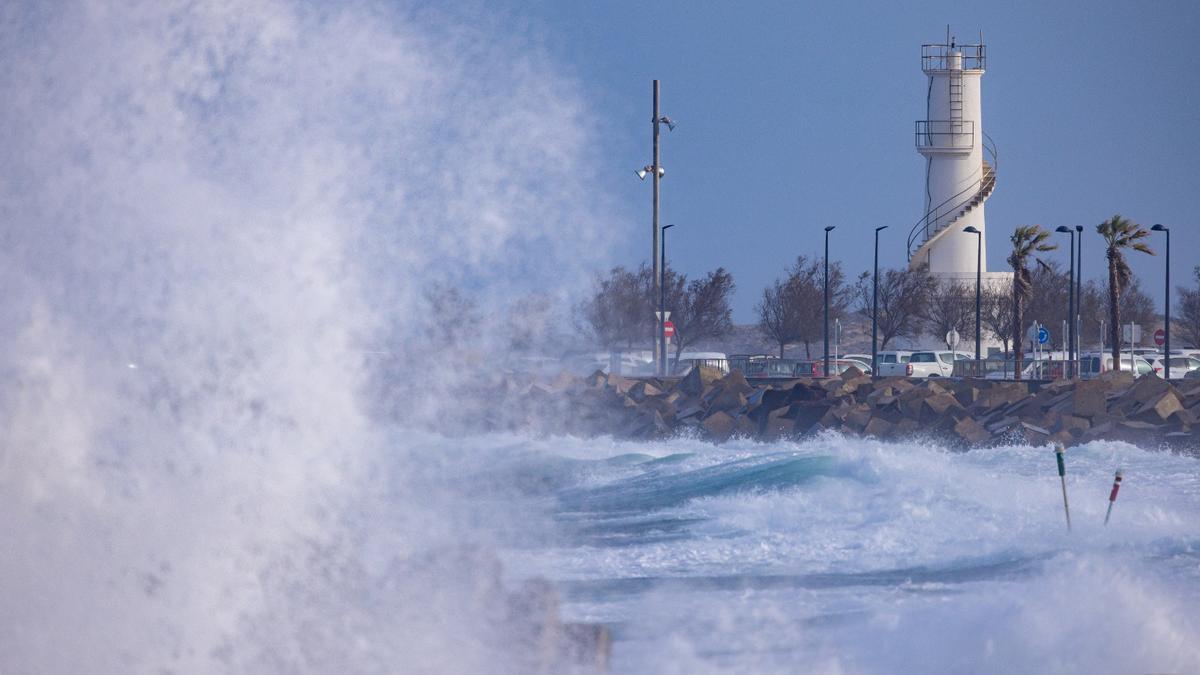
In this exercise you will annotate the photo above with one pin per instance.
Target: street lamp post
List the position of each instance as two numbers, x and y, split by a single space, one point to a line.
1078 289
978 288
875 307
656 172
826 316
1166 306
662 299
1070 302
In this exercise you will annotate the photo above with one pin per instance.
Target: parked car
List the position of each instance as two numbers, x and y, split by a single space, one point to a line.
688 360
1180 365
924 364
772 368
893 357
1092 364
816 367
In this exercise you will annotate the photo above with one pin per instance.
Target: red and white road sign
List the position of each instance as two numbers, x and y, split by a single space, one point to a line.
1160 337
668 329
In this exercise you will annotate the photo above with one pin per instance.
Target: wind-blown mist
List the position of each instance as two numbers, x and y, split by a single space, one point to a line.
209 213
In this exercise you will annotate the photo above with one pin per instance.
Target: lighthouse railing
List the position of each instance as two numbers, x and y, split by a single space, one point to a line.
932 223
938 57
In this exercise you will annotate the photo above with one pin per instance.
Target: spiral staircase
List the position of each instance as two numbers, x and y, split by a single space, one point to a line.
941 219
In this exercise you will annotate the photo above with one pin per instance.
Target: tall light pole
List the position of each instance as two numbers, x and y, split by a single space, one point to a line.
978 288
662 296
827 230
657 172
1166 306
1078 289
1070 302
875 306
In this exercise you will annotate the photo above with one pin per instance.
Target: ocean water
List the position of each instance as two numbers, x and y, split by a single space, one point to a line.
850 556
217 216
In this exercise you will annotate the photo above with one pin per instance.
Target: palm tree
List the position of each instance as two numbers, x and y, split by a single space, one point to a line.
1026 240
1119 234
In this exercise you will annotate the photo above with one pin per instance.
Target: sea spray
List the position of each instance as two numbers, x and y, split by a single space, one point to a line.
215 217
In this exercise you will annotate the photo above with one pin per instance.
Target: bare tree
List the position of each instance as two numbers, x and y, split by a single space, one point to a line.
779 313
1048 300
949 305
1189 310
792 309
901 294
996 312
702 310
616 312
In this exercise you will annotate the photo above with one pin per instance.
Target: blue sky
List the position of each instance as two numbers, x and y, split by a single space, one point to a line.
793 116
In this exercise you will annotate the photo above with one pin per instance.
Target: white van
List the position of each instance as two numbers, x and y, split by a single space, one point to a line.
1092 364
687 360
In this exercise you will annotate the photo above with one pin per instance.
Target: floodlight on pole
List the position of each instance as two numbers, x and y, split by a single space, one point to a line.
649 169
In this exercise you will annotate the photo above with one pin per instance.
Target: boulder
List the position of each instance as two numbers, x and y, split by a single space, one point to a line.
1161 406
807 414
1003 394
643 389
778 425
971 431
719 425
746 427
735 382
698 380
724 399
620 384
1116 379
879 428
858 417
940 404
1071 423
1089 398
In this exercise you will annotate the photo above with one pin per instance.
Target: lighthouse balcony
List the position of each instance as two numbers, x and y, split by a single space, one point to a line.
941 58
956 137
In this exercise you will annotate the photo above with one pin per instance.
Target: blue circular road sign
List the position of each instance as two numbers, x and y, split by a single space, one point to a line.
1043 335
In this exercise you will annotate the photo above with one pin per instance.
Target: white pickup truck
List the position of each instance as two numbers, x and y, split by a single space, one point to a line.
924 364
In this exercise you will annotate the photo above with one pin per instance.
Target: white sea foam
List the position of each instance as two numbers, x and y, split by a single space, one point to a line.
213 215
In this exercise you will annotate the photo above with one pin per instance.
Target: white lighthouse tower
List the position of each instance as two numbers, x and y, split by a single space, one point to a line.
960 163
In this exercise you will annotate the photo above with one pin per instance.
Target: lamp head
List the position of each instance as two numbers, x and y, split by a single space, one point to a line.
972 229
667 227
1063 228
881 227
1079 228
829 227
649 169
1159 227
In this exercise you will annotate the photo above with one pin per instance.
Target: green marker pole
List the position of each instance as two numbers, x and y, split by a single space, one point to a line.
1062 475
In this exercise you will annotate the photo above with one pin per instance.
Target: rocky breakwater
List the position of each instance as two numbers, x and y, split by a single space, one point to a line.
1147 411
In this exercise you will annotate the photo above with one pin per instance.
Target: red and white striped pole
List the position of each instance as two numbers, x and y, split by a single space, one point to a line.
1112 496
